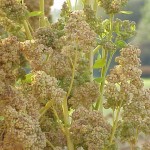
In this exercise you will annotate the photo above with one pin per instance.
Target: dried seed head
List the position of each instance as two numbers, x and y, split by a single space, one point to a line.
79 33
112 7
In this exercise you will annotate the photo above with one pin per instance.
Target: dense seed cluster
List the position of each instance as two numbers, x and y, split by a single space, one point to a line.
94 22
45 88
9 61
124 78
126 29
14 10
125 89
22 129
85 95
146 146
89 129
45 36
53 133
7 24
78 32
21 123
37 55
112 7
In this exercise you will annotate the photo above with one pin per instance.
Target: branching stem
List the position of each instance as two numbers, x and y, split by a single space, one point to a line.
65 107
69 4
99 103
115 123
42 17
27 30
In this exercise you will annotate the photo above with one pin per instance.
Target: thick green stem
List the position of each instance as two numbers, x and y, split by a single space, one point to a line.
27 30
91 65
95 6
134 141
132 146
96 49
115 123
99 103
65 108
69 4
42 17
50 144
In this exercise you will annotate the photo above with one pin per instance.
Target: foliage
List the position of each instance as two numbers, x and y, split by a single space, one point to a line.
48 96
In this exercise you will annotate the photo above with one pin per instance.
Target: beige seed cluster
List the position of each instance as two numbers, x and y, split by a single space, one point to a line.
14 10
78 32
113 6
46 88
89 129
85 95
60 65
146 146
8 24
37 55
124 80
21 123
9 61
21 127
125 88
45 36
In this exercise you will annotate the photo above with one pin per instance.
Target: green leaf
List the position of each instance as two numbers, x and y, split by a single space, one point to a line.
35 13
100 63
1 118
120 43
126 12
99 80
28 78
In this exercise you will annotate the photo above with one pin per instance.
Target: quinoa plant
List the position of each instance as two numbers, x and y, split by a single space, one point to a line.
49 98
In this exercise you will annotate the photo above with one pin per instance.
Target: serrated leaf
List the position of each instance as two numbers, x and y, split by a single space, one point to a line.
126 12
35 13
99 80
100 63
120 43
1 118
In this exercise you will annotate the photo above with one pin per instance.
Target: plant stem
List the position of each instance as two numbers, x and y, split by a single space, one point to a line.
42 17
99 103
50 144
91 65
69 4
96 49
65 108
109 61
95 6
134 141
30 27
28 33
132 146
58 119
115 123
45 108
